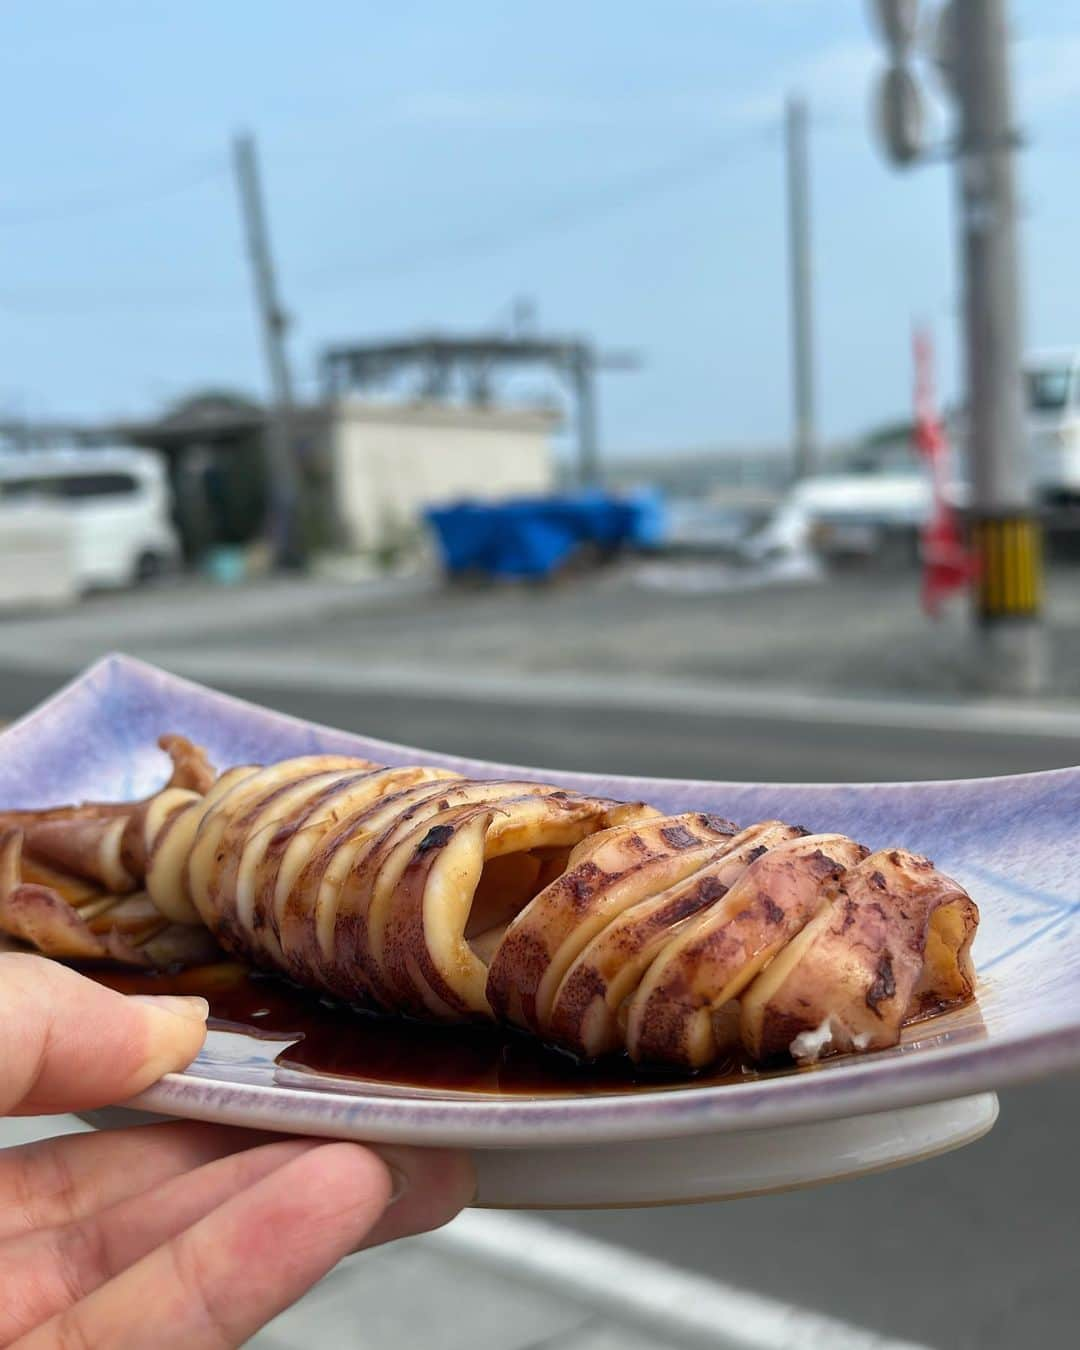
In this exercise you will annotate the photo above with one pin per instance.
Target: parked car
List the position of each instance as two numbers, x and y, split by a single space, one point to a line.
112 505
881 498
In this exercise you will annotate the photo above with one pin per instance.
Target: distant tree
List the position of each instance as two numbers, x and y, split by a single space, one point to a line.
888 433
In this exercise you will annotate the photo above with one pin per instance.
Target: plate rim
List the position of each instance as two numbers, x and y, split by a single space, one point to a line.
862 1087
930 1075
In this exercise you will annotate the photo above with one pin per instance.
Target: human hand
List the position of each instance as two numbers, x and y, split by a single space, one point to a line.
171 1235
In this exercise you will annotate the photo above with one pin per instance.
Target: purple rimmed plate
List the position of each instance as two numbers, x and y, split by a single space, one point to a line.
1008 840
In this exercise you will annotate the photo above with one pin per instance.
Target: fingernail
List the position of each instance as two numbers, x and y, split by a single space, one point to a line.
400 1184
191 1006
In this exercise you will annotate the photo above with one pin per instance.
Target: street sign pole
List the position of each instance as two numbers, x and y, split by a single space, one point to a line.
1005 533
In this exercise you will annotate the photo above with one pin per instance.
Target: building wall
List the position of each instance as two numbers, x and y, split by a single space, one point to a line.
390 462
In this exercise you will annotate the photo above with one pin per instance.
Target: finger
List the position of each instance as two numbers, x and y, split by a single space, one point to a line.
71 1044
431 1185
215 1284
59 1181
47 1271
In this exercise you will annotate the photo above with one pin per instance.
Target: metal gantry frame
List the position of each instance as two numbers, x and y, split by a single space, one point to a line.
442 365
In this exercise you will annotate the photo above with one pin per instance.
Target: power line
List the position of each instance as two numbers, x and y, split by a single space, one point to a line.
571 211
566 213
66 300
206 170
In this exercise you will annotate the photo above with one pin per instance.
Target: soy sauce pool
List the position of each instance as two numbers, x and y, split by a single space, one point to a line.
345 1043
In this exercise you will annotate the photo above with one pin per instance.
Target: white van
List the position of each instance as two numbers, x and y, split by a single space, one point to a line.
112 506
1052 386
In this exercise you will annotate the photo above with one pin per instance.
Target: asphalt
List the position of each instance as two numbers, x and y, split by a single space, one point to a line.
973 1251
662 738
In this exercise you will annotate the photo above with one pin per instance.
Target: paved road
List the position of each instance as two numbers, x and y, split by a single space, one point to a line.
975 1251
856 633
972 1251
663 739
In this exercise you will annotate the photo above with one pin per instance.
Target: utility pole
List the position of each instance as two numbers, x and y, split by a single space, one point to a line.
972 55
283 525
1005 532
799 271
583 375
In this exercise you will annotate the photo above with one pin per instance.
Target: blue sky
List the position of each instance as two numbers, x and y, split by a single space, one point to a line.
427 161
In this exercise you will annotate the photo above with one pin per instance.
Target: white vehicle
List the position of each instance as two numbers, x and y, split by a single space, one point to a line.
883 494
1052 385
112 507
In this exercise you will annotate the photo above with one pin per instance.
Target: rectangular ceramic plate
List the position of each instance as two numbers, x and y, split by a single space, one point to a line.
1010 841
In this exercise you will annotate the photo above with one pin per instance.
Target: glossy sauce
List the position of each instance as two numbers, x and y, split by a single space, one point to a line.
367 1047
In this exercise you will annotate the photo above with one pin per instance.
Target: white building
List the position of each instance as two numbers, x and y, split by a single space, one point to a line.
389 461
371 466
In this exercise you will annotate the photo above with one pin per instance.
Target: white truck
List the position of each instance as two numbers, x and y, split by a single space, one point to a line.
887 492
882 495
1052 388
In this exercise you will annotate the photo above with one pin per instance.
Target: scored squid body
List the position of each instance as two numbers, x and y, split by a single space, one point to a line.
425 860
679 1013
585 1013
369 882
331 913
184 854
246 835
893 942
603 878
430 914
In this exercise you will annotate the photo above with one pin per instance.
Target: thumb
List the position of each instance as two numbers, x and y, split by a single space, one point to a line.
71 1044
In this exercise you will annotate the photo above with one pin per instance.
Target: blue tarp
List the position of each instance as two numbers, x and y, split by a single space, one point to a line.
534 537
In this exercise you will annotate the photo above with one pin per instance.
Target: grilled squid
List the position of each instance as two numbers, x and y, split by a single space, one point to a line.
597 925
72 877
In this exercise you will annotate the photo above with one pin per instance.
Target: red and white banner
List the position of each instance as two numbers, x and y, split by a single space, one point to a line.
947 564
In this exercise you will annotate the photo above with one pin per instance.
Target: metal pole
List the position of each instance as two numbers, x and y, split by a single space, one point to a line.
584 388
802 327
283 520
1005 533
